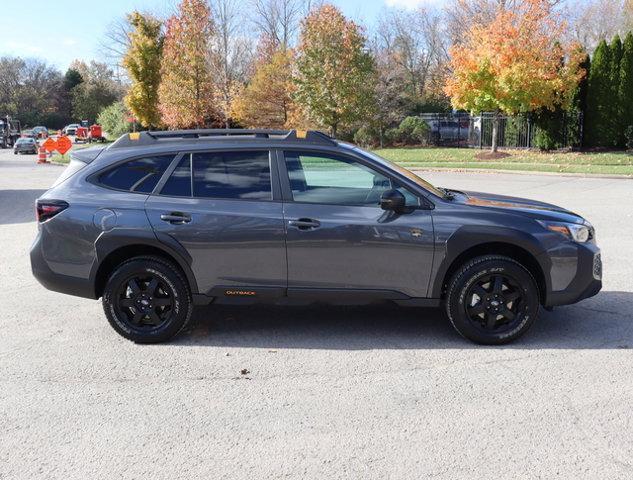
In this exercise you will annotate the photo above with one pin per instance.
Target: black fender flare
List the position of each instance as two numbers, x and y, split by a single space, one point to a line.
470 236
115 239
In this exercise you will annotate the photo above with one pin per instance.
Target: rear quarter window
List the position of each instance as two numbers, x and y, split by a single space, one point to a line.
138 175
73 167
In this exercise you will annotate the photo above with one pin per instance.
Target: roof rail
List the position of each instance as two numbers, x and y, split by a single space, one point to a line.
147 138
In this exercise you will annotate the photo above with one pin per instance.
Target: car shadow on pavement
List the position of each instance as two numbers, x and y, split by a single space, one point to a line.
18 206
602 322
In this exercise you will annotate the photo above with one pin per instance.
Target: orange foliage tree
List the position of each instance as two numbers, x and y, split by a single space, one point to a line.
516 63
266 101
186 92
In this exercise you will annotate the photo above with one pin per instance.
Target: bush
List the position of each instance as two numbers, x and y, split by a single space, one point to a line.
113 119
413 131
366 137
392 136
549 130
628 134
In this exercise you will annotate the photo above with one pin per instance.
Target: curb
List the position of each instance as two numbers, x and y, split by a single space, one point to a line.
523 172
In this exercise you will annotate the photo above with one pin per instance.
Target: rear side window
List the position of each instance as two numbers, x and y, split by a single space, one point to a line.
179 182
138 175
232 175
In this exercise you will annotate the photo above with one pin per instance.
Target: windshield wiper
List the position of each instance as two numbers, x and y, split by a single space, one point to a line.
449 193
446 193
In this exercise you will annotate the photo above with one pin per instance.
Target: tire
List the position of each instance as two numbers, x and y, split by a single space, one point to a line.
492 300
147 300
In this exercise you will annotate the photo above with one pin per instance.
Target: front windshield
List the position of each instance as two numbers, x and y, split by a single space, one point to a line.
407 173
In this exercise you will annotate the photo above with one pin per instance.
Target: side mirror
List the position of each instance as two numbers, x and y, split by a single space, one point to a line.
393 200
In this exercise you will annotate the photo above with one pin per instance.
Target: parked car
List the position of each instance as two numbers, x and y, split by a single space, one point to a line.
70 129
40 132
25 145
29 134
160 221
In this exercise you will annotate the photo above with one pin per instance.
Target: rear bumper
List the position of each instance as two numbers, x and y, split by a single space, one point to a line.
79 287
586 283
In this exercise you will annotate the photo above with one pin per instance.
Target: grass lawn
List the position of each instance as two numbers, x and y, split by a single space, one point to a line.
613 163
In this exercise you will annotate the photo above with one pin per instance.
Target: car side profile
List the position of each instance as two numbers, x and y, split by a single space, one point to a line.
158 222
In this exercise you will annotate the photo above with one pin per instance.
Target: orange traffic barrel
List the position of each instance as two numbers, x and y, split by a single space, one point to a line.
41 155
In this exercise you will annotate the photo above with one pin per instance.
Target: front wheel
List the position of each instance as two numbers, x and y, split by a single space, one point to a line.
147 300
492 300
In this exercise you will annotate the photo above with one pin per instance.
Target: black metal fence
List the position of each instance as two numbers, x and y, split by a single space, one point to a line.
521 131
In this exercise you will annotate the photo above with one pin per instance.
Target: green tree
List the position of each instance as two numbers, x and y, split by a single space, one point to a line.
598 131
335 74
578 109
97 90
625 91
186 92
616 110
142 62
113 119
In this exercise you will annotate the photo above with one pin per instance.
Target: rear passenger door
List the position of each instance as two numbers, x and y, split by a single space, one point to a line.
223 207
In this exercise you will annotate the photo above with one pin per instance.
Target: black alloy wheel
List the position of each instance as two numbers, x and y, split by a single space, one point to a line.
147 299
492 300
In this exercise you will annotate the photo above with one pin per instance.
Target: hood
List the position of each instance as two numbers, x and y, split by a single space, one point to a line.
532 208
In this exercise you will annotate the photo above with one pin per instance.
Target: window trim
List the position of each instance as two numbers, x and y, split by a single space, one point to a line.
93 178
274 180
423 203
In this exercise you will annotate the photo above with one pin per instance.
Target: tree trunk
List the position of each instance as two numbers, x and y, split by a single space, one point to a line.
495 133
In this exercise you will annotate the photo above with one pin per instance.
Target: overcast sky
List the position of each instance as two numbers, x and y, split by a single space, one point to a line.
62 30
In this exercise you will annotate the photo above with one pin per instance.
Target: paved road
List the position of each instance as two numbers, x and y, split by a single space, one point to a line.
369 393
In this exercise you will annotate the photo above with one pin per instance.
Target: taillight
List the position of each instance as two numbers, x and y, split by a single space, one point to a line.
47 209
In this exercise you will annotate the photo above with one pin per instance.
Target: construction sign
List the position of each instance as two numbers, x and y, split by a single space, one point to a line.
63 144
49 144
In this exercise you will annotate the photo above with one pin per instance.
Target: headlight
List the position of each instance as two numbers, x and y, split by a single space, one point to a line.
574 231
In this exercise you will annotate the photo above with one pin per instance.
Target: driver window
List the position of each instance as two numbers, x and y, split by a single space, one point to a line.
336 180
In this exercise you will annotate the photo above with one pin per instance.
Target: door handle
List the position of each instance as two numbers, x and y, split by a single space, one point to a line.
304 223
176 217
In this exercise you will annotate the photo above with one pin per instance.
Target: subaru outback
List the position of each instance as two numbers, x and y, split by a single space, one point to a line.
158 222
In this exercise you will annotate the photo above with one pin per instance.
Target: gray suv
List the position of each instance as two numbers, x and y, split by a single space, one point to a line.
161 221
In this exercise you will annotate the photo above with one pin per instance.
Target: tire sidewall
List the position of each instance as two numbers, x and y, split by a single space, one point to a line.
177 288
458 295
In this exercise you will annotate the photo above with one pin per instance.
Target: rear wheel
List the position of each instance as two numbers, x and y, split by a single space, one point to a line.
492 300
147 300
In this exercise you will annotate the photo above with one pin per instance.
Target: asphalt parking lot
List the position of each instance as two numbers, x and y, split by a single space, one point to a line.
336 392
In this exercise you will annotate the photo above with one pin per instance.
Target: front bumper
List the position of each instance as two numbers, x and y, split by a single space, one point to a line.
587 281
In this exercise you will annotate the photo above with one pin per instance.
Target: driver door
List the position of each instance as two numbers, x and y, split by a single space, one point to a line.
339 239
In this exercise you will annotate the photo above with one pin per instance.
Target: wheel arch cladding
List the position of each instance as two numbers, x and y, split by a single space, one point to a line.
468 243
118 253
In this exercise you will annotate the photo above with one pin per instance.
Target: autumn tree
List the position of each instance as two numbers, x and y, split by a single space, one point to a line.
334 72
266 101
513 64
186 92
142 62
